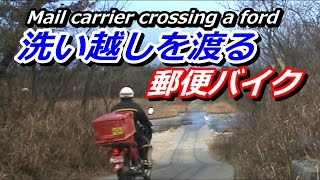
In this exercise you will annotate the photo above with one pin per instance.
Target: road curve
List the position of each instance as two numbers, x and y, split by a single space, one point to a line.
187 156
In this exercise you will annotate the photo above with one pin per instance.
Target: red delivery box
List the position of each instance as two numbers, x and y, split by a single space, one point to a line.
113 128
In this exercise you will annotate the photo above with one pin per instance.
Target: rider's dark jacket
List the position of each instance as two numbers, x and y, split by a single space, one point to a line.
126 104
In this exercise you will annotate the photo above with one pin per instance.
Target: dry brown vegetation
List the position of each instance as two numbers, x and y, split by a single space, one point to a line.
35 145
45 133
56 145
220 106
162 109
271 134
46 130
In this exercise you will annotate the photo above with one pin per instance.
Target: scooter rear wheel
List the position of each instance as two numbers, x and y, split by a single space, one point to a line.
148 174
123 176
123 173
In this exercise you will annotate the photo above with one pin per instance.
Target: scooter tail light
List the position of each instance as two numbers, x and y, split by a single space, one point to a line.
116 152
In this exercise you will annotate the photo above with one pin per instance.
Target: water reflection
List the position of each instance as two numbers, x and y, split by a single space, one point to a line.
194 120
216 122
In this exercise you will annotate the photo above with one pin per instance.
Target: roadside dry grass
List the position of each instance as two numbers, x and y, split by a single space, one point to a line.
162 109
221 147
271 134
58 144
219 106
169 109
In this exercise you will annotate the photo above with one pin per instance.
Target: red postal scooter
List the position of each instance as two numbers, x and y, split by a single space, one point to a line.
116 131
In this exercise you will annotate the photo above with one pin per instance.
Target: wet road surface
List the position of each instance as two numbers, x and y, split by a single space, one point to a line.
190 158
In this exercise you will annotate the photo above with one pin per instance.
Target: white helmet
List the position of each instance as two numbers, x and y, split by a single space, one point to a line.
126 92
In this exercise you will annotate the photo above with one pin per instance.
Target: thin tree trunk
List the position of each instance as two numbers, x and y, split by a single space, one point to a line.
84 101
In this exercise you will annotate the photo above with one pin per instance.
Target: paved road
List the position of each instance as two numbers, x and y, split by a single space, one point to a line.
190 159
187 157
